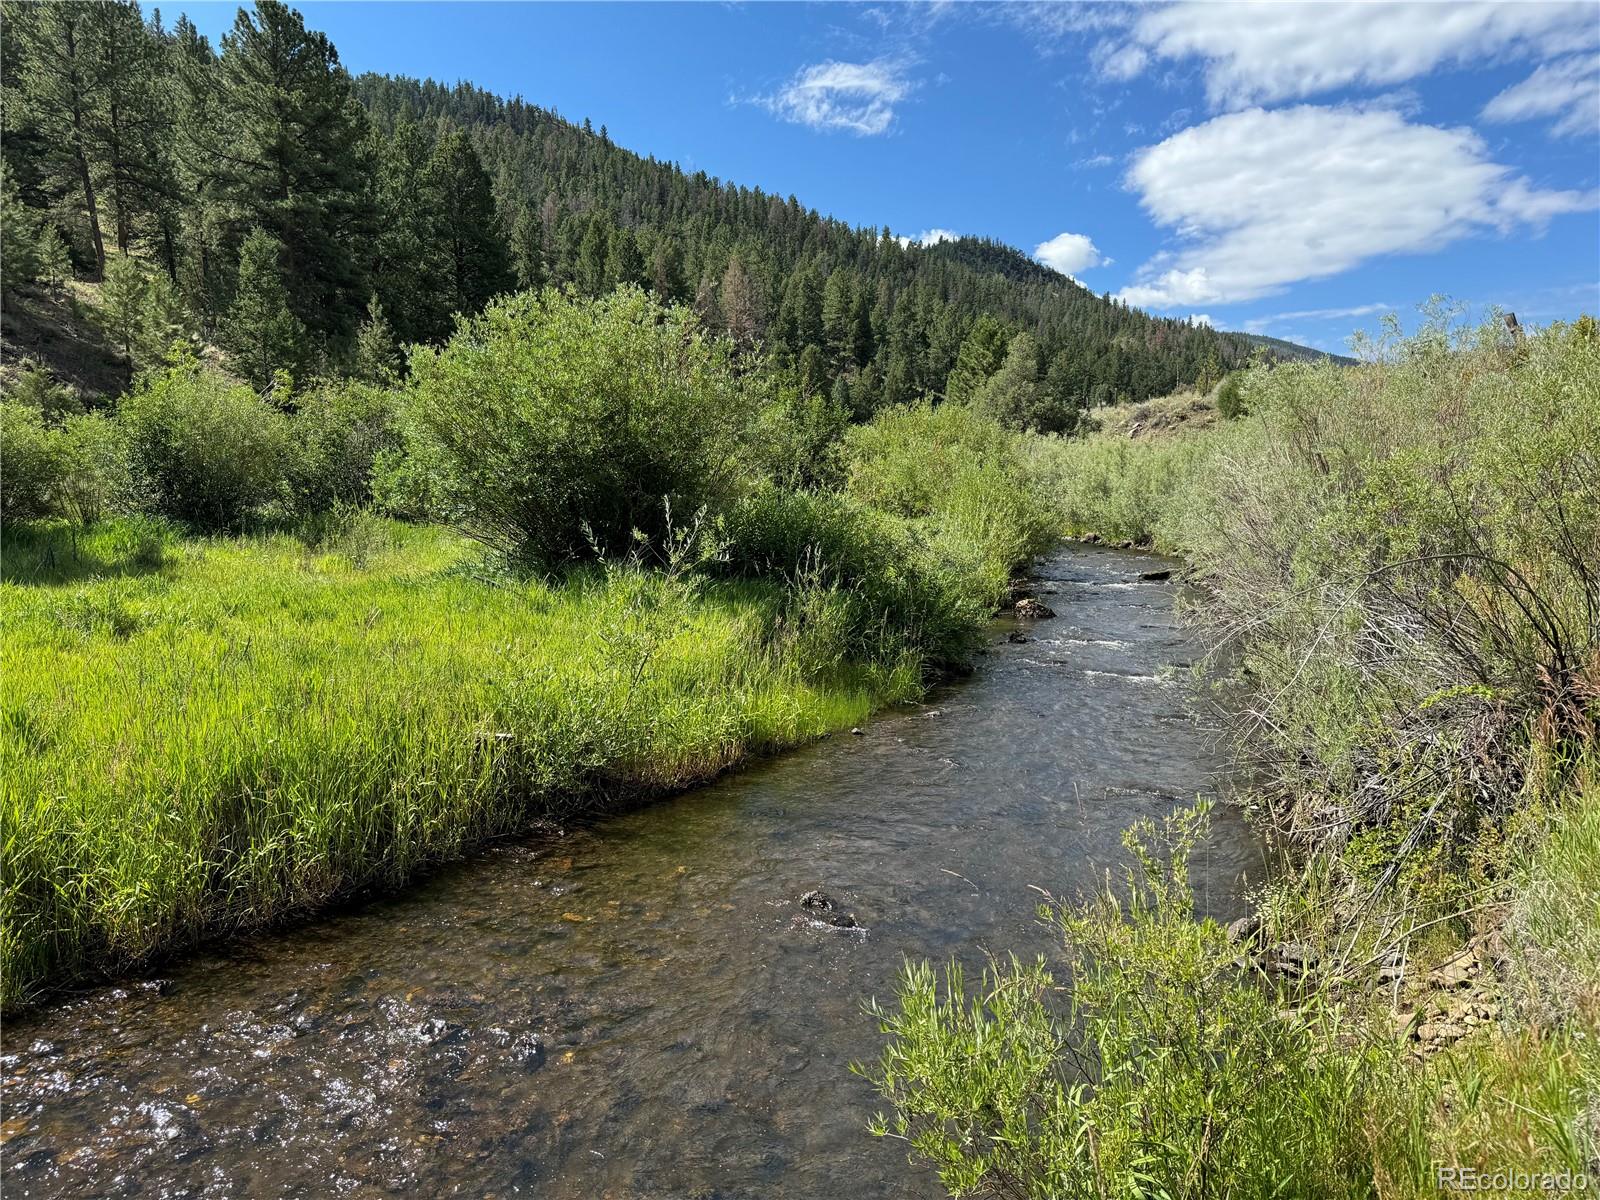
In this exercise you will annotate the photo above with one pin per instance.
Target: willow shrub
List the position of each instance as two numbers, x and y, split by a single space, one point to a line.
962 481
554 427
1406 556
206 450
1171 1071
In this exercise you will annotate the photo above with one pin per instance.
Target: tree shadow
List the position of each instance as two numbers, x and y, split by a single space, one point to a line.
54 554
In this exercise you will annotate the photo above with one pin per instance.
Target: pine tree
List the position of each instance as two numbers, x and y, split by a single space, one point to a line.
131 121
377 358
527 248
741 304
54 261
982 354
408 264
61 85
624 264
666 269
590 271
263 334
287 157
476 264
122 301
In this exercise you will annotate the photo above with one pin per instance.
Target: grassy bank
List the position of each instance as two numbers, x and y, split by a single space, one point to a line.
206 731
256 727
1398 560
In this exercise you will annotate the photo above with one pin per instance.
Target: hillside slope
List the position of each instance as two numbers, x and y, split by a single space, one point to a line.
887 318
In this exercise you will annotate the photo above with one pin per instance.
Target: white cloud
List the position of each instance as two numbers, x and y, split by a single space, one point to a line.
1260 53
1262 199
1093 162
1568 89
928 237
1262 324
1202 319
1070 253
859 97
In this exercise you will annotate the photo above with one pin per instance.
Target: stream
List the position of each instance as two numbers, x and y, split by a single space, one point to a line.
642 1008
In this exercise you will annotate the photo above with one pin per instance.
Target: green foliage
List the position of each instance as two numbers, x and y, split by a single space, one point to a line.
209 452
1430 523
32 467
561 425
264 336
339 431
139 309
36 388
474 260
1022 396
377 358
1120 488
1230 398
982 354
74 466
1171 1072
798 436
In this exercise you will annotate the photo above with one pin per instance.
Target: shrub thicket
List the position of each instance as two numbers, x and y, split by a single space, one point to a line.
210 452
1172 1072
559 426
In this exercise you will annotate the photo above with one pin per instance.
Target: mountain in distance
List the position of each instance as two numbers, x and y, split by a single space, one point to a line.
1277 348
857 310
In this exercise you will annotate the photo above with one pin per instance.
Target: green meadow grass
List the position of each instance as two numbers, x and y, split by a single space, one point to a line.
206 735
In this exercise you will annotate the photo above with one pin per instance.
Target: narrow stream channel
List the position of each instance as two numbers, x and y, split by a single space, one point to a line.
642 1009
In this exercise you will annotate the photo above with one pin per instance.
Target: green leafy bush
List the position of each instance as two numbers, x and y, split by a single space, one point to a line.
560 425
1230 398
30 463
892 592
1170 1072
339 432
210 452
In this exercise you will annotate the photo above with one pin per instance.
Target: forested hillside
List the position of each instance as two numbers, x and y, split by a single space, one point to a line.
253 195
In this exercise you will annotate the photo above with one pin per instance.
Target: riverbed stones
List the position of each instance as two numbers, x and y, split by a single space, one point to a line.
1155 576
1245 929
1015 638
1032 609
817 901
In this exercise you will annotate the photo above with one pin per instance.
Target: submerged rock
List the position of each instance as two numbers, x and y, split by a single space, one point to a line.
1155 576
1016 638
817 901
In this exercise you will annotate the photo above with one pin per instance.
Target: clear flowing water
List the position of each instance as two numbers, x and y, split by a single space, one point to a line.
642 1008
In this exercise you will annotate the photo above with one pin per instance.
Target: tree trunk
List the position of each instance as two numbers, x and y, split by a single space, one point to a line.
80 155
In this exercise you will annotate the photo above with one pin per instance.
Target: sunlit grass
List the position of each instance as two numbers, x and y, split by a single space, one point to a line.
212 734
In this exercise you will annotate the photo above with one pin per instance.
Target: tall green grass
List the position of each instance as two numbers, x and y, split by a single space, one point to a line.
239 729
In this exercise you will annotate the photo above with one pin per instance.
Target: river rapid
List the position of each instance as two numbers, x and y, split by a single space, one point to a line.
643 1008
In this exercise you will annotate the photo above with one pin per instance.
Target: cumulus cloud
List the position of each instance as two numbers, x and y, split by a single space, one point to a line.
1568 89
1263 199
1070 253
1202 319
858 97
1261 53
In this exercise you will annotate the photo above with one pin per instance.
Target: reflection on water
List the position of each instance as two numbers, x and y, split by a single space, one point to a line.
643 1008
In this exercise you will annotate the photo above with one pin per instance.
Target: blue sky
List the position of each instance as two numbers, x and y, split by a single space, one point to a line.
1295 170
